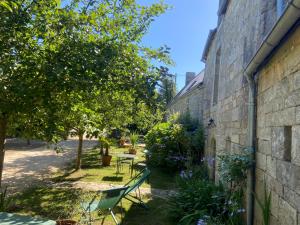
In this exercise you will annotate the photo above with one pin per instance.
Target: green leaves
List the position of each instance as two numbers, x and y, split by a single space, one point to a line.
265 205
9 5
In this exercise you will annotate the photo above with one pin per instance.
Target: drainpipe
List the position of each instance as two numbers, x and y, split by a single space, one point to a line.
288 19
251 143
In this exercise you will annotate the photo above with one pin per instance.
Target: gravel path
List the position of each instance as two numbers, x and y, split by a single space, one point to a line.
25 165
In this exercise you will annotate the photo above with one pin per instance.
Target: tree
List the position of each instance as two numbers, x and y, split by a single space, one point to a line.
51 55
167 87
48 53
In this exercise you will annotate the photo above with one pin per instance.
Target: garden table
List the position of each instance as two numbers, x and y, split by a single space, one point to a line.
122 157
15 219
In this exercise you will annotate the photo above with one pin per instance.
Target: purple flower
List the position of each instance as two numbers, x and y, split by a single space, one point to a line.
241 210
201 222
182 174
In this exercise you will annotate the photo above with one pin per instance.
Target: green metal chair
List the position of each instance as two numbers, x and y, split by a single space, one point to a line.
103 203
134 186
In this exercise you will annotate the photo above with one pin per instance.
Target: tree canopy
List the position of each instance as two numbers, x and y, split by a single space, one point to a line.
82 61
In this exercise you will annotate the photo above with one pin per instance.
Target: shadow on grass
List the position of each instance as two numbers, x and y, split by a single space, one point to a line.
91 160
52 203
156 214
113 179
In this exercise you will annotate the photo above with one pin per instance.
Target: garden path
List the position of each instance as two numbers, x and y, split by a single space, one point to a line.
25 165
92 186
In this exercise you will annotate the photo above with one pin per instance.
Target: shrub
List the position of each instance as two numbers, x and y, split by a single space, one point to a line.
196 198
168 144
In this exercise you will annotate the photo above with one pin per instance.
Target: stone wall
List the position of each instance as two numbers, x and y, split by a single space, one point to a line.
190 102
278 133
238 36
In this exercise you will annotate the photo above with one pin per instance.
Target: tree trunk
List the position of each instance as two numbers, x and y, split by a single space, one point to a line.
79 152
3 124
28 142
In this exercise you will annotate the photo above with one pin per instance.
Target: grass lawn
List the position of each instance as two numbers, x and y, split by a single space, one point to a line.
57 202
92 171
54 203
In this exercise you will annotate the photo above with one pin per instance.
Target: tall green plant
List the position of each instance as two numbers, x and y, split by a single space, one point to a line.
134 137
265 205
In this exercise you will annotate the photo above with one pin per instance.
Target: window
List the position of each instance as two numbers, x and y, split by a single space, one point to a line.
282 143
287 143
217 75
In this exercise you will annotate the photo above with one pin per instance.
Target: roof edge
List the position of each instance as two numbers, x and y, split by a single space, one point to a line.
209 41
287 20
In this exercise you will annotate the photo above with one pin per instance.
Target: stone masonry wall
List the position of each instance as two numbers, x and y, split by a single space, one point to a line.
238 37
190 102
278 132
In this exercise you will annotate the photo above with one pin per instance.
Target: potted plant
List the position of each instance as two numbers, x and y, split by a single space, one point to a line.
104 151
133 140
122 141
66 222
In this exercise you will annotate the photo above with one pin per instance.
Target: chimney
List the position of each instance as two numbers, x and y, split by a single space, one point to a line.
189 76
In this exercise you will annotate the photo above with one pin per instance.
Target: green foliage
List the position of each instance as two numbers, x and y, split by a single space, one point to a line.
189 123
105 144
196 198
5 200
233 167
167 87
167 144
134 137
203 202
265 205
9 5
173 145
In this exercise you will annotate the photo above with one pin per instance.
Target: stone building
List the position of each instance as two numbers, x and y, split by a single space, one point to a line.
251 92
189 99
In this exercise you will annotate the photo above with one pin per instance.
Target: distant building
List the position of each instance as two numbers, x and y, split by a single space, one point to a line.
189 99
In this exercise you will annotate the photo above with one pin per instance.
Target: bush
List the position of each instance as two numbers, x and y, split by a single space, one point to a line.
168 144
175 144
196 198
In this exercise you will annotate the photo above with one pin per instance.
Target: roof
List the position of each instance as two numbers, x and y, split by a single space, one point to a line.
209 41
198 80
223 7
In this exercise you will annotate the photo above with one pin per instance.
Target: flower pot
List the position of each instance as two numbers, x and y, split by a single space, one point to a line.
106 160
132 151
122 143
66 222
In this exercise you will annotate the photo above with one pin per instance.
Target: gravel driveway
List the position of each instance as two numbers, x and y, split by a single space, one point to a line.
25 165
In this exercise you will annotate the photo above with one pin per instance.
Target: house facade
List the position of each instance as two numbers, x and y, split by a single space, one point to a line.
189 99
251 92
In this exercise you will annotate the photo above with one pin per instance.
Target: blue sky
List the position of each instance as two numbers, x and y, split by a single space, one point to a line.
184 28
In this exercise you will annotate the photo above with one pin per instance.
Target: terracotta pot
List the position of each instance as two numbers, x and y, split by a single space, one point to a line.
106 160
122 143
132 151
66 222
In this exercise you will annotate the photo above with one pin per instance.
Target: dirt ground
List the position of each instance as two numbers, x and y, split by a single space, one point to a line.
25 165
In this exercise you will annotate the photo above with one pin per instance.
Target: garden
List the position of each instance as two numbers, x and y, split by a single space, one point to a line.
178 191
79 69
